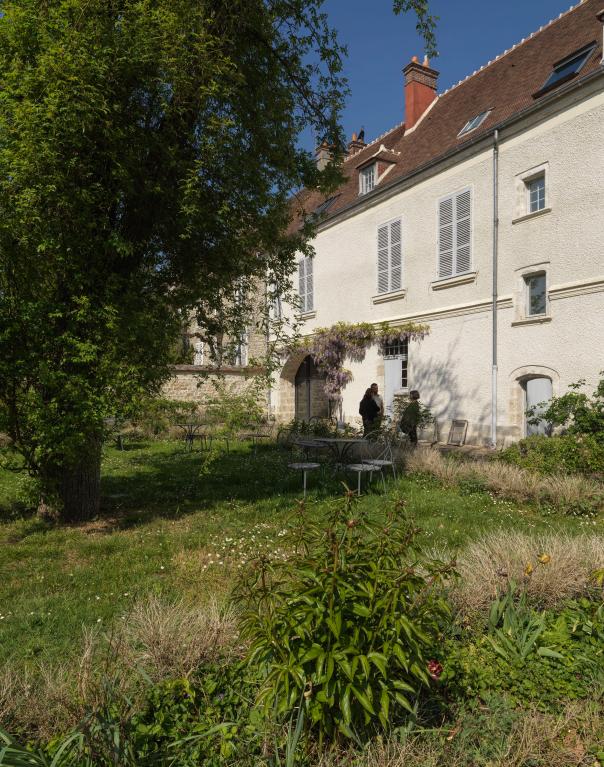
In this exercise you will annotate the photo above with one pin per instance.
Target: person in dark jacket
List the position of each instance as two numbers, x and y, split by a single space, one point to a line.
369 410
411 417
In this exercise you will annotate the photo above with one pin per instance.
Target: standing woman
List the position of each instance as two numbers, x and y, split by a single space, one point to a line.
369 410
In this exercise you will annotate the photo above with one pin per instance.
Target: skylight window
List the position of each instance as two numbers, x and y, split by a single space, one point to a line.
325 205
474 123
567 68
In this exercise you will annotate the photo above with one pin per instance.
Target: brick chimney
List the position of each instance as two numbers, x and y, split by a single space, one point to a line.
420 90
356 143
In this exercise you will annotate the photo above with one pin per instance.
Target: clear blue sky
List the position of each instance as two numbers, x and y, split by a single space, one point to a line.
380 44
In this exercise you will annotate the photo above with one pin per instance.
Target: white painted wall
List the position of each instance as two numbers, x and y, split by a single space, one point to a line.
452 367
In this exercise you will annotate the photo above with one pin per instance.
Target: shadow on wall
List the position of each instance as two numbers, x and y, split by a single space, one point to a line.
450 396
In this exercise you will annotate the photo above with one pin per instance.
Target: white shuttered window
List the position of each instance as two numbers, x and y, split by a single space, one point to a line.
455 234
390 257
305 284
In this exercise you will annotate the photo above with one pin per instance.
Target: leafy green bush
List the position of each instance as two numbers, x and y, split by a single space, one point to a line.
156 415
235 409
346 628
532 657
401 401
183 723
576 411
569 453
215 706
316 427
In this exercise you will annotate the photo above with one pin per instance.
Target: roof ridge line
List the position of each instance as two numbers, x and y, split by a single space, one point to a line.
516 45
375 140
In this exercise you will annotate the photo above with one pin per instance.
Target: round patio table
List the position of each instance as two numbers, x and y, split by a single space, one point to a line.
307 445
340 446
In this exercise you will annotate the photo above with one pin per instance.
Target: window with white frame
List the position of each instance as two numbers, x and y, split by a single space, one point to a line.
305 290
367 179
536 294
455 234
390 257
399 351
535 193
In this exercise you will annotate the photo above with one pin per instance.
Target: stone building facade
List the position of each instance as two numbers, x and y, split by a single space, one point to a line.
482 216
196 382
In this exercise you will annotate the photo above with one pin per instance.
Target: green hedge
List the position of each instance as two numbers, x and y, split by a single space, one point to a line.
569 453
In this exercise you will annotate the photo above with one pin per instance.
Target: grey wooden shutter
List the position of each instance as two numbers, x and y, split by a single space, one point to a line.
309 286
302 283
396 255
445 237
463 232
383 282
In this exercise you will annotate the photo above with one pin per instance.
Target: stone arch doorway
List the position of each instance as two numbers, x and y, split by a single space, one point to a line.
530 385
301 390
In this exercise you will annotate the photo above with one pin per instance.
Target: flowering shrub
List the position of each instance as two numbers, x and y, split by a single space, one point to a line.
347 629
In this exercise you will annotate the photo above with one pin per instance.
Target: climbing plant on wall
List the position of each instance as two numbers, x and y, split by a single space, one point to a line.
331 347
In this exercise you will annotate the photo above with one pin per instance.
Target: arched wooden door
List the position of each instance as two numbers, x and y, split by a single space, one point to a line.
311 400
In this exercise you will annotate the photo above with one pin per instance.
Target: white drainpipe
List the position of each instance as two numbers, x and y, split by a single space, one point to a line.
495 255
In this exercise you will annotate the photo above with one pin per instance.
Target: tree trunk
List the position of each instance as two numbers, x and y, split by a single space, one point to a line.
79 485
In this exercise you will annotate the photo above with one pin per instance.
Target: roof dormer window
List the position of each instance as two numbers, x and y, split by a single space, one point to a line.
474 123
567 68
367 179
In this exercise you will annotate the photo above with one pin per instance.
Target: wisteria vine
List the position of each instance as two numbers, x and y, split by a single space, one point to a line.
331 347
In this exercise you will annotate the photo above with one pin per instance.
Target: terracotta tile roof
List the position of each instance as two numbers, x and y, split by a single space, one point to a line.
505 86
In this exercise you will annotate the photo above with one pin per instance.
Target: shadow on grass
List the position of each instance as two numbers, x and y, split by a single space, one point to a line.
167 481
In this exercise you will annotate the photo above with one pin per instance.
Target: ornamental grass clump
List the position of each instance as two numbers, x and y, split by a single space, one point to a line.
345 632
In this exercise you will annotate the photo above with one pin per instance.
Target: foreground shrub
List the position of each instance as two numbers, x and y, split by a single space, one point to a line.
531 656
345 629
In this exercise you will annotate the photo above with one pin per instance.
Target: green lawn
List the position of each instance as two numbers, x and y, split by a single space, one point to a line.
179 524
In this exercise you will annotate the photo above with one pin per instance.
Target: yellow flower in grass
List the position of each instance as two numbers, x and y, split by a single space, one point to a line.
545 559
528 569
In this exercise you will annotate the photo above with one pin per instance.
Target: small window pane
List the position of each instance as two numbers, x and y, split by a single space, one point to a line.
367 179
536 294
474 123
404 376
536 194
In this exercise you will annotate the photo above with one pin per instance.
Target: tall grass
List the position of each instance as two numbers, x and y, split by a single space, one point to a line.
489 739
157 640
551 567
563 491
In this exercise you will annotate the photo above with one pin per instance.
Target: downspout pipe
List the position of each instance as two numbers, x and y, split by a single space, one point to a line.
495 268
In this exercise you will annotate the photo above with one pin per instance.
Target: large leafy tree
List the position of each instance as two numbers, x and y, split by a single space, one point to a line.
148 149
